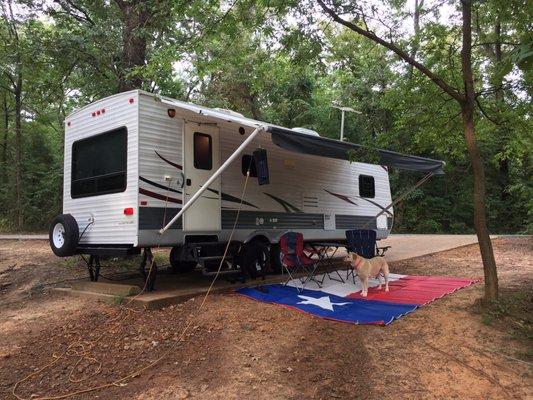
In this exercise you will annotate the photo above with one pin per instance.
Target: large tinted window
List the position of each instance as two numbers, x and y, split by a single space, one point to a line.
367 186
99 164
203 157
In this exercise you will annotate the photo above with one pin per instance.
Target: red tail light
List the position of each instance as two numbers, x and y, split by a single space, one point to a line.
128 211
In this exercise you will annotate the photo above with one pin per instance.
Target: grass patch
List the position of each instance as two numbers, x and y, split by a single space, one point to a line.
513 313
118 300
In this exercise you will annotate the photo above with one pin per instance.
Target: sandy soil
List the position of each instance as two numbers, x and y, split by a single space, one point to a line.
239 348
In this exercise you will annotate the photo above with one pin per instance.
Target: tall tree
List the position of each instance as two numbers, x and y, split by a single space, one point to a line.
13 72
465 99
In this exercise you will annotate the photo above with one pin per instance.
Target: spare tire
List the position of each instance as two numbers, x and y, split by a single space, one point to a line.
64 235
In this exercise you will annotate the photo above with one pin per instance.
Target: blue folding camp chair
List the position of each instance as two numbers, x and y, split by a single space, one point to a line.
364 243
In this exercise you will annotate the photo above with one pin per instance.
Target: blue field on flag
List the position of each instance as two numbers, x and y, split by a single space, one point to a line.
329 306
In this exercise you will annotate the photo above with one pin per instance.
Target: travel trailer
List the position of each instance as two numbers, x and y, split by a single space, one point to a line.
144 171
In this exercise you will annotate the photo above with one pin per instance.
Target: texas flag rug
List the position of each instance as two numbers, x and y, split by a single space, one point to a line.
342 301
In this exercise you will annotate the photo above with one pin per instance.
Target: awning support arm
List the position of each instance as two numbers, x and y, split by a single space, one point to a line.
400 197
213 177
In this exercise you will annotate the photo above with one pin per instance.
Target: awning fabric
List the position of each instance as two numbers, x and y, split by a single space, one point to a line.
326 147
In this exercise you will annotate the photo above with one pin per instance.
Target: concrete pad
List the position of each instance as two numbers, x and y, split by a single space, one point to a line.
114 289
168 292
68 292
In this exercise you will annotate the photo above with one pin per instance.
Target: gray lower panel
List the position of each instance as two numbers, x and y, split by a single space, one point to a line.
272 220
354 222
156 218
151 218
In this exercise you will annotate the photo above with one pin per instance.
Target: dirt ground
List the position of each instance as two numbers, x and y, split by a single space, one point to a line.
239 348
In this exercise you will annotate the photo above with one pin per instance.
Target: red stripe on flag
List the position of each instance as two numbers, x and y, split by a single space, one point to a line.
417 290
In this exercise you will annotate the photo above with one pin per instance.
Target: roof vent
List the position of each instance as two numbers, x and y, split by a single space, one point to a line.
306 131
230 112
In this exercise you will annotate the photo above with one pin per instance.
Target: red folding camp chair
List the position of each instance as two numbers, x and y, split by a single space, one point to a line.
295 261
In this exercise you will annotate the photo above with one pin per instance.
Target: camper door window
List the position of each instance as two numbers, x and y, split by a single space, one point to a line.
203 151
99 164
367 187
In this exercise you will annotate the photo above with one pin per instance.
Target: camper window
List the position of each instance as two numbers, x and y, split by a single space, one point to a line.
248 162
203 154
367 186
99 164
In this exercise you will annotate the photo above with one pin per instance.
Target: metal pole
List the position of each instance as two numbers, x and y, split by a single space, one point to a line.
342 125
204 187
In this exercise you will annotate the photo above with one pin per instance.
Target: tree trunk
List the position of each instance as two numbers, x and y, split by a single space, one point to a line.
467 111
134 18
416 28
466 101
18 153
5 138
254 107
497 82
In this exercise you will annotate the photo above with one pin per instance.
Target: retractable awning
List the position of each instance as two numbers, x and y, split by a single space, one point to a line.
326 147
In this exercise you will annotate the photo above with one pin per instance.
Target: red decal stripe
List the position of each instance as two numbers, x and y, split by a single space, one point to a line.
159 196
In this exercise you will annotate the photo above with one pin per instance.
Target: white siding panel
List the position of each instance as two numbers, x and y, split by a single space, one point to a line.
158 132
292 175
110 226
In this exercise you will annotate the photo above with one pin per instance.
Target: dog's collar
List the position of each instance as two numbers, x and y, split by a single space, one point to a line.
358 262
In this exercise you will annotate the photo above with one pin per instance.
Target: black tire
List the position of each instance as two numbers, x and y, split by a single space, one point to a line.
256 259
64 235
177 264
275 260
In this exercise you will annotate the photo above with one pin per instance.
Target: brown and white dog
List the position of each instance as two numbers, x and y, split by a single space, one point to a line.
369 268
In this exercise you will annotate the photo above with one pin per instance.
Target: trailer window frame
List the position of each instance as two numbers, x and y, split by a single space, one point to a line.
200 160
81 187
367 186
248 161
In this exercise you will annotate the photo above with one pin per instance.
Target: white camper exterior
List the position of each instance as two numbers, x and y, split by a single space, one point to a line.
168 149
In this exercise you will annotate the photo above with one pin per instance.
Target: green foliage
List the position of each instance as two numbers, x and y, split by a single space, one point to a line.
512 311
272 60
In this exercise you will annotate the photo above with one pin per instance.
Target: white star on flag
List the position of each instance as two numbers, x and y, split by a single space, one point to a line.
322 302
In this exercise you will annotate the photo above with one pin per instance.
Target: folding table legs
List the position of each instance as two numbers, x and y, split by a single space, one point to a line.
328 262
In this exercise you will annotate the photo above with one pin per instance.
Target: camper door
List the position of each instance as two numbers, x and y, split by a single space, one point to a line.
201 159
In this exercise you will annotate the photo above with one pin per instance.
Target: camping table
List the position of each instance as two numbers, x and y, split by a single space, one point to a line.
321 250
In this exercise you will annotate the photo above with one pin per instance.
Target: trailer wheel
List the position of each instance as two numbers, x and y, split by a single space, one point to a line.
255 259
178 265
64 235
